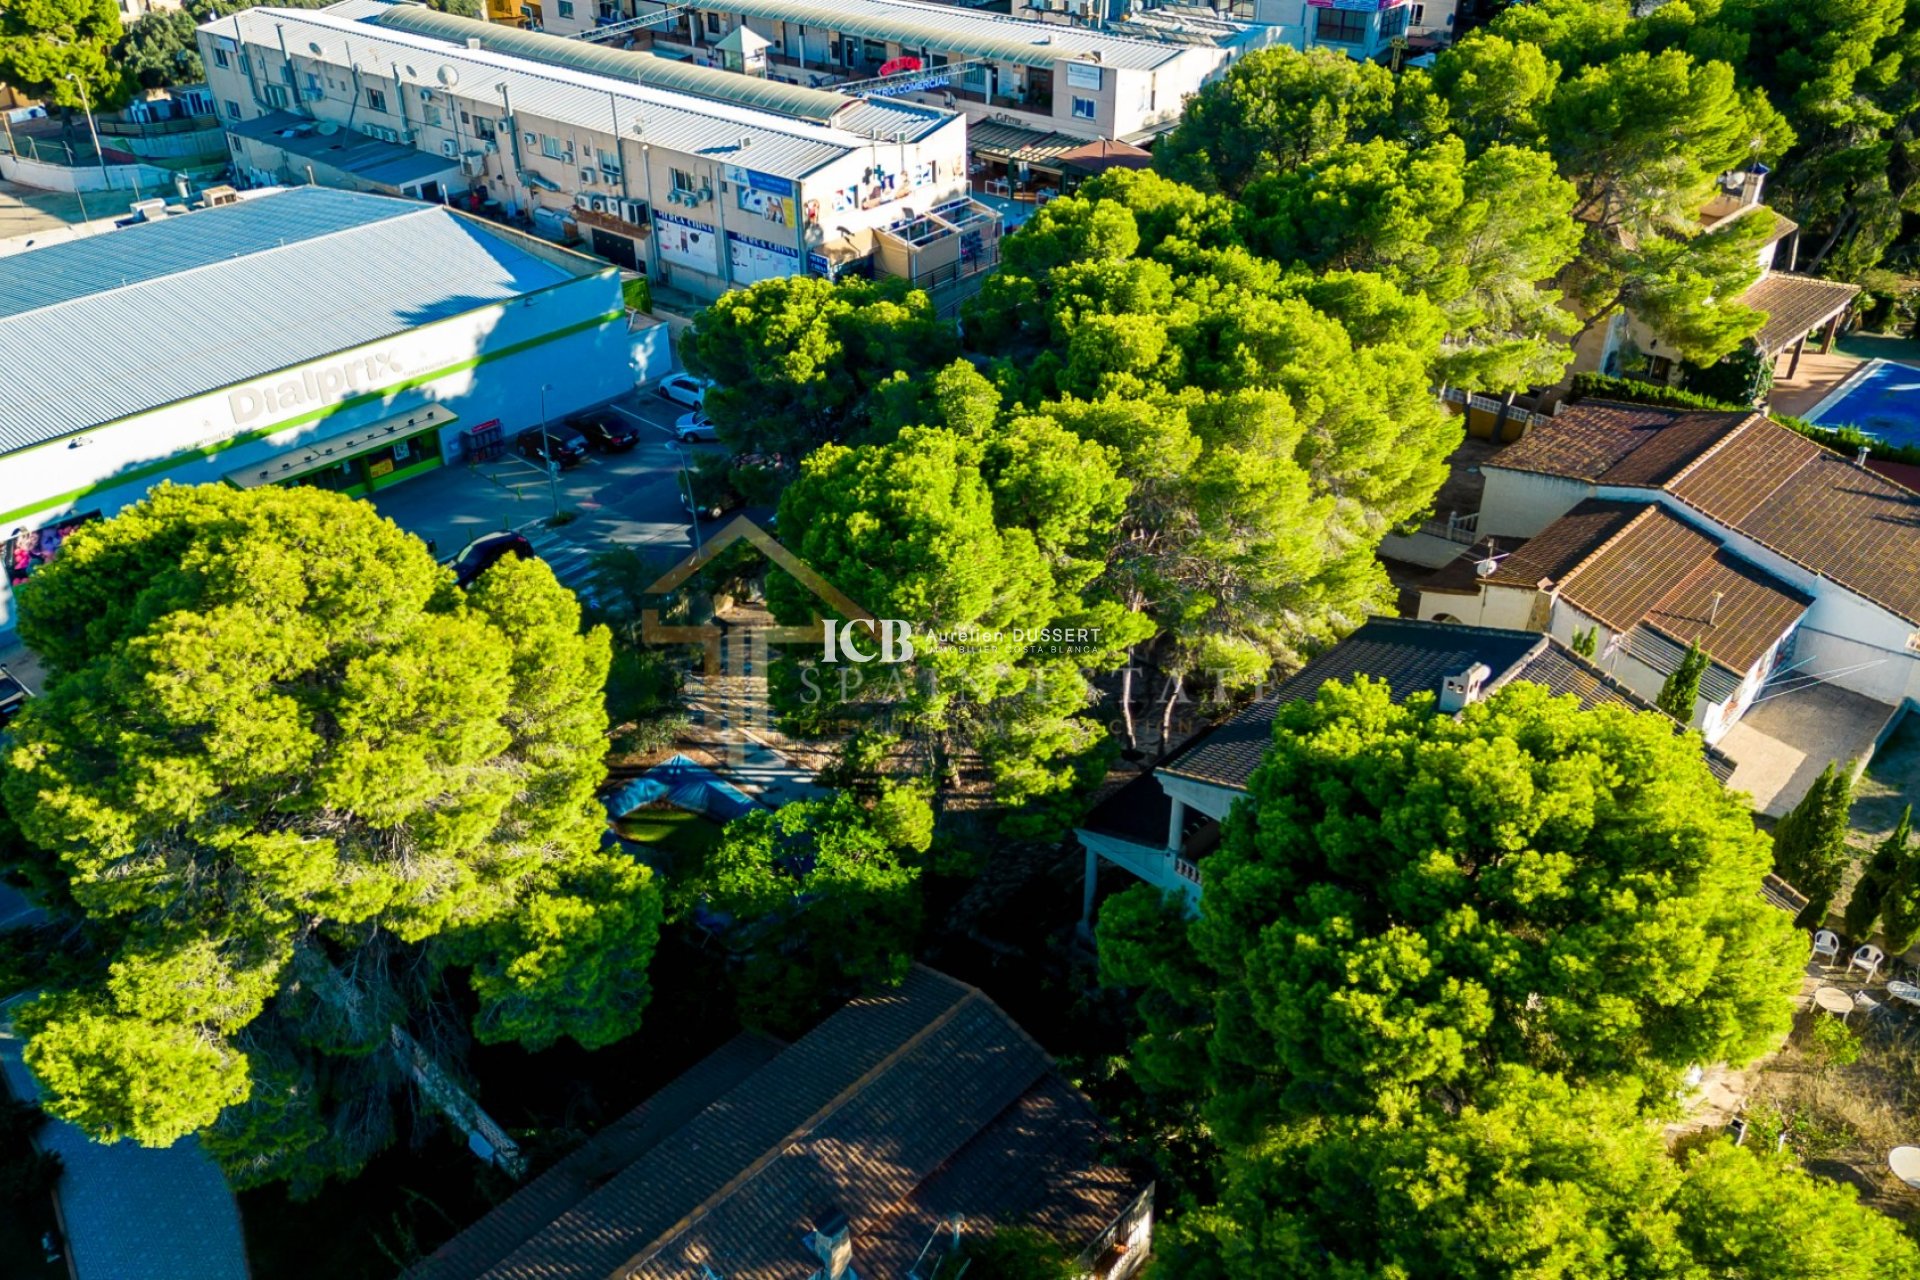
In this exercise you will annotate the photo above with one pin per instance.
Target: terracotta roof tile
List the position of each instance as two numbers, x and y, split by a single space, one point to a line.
1583 441
1557 549
1663 454
1622 581
1733 610
1794 306
1808 504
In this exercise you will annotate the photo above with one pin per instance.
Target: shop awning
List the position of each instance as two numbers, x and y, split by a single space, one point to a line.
1015 145
334 450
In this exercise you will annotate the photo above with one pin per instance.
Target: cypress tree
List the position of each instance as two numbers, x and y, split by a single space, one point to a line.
1878 879
1678 694
1810 844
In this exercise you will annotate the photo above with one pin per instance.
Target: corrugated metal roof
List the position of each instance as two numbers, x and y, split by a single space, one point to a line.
172 309
730 134
707 82
387 163
945 27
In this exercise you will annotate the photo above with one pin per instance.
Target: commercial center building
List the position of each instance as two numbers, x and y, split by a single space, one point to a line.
699 177
311 336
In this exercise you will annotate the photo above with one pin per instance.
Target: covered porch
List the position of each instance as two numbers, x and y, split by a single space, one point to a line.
1798 308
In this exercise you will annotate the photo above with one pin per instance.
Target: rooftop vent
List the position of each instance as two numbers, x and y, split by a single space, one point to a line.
1457 691
1860 458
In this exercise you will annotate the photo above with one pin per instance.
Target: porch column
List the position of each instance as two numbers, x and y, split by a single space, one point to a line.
1176 820
1832 334
1793 366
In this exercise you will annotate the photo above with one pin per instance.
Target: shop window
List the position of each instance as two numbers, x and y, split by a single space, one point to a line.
1393 23
713 24
1085 109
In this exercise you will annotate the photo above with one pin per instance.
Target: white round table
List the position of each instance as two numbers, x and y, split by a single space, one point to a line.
1834 1001
1905 1163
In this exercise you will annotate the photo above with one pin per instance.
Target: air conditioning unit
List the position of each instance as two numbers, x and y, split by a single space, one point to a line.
582 200
567 155
588 177
449 148
598 204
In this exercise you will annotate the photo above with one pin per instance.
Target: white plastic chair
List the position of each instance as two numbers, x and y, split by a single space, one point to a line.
1866 1004
1827 943
1868 959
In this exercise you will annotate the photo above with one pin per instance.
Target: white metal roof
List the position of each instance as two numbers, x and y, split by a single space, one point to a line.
106 327
948 28
720 131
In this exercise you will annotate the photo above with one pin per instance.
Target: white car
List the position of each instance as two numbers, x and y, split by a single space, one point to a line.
695 426
683 388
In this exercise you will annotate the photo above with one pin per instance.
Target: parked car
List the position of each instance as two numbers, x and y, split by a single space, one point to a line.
482 554
13 696
606 433
684 388
695 426
557 443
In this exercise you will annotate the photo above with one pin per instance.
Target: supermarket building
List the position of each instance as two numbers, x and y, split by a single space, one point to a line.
310 336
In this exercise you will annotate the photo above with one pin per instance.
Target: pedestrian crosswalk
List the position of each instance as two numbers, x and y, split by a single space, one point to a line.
571 563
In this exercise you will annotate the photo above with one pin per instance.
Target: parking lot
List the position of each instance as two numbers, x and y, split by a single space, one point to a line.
624 499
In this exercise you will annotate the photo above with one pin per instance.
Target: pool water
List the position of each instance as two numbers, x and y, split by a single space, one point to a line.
1882 399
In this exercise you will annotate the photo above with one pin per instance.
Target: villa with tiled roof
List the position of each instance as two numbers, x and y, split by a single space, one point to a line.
1664 527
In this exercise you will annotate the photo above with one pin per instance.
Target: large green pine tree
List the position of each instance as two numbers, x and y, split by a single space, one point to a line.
284 781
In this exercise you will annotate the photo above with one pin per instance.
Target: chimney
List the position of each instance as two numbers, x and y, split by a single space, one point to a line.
832 1243
1457 691
1860 458
473 42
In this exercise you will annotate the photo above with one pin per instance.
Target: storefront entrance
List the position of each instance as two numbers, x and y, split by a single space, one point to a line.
360 462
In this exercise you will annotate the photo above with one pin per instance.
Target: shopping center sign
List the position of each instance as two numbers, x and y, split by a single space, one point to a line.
314 386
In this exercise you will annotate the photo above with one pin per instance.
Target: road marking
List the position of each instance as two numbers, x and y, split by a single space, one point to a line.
645 422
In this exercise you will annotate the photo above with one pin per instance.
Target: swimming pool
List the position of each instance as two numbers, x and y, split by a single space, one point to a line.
1881 398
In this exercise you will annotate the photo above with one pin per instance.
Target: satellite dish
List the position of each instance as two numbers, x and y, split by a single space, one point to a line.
447 76
327 129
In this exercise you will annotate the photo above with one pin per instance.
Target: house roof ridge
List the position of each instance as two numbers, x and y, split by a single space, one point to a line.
760 1164
1645 513
1699 459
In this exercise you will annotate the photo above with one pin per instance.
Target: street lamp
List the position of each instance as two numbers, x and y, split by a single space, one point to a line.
87 107
693 503
546 451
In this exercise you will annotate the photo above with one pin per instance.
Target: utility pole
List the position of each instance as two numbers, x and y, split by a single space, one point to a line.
693 503
87 106
546 451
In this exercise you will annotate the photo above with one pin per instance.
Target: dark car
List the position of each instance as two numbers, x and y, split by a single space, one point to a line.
558 443
482 554
606 433
13 696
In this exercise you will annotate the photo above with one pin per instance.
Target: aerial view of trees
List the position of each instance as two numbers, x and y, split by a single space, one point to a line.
1446 974
285 783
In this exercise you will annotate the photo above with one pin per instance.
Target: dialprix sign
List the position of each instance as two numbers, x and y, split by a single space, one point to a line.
315 386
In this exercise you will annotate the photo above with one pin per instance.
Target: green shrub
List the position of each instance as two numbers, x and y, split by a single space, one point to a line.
1834 1043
